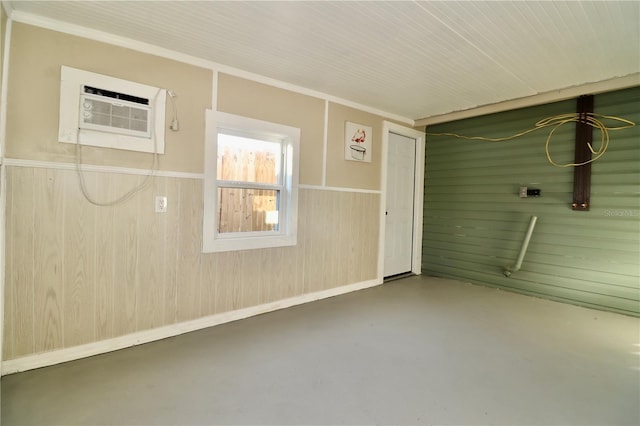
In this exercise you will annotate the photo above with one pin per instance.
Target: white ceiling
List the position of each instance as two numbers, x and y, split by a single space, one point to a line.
411 59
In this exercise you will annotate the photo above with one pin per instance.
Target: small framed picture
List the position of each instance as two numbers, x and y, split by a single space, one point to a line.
357 142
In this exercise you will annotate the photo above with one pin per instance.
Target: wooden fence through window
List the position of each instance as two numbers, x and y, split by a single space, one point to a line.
245 209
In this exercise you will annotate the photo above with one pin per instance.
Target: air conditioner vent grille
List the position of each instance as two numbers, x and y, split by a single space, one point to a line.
116 116
115 95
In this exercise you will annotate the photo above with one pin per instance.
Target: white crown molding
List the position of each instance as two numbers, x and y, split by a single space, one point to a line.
618 83
8 8
101 36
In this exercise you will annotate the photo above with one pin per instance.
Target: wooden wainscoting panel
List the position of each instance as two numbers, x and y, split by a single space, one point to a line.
227 281
304 230
105 237
264 268
9 290
126 257
79 261
152 258
372 232
271 269
305 220
189 250
19 310
172 220
298 252
216 268
335 238
316 236
339 238
48 223
234 279
77 273
288 271
208 269
221 298
344 249
371 229
355 242
366 233
251 280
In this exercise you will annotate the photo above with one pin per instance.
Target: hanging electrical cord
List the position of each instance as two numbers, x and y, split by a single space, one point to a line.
175 126
152 171
556 121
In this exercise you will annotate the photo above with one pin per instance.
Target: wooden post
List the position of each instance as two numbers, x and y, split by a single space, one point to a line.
582 174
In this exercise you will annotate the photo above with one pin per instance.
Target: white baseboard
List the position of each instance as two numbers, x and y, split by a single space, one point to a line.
82 351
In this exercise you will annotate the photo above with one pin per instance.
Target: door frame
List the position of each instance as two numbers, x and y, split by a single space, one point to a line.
416 258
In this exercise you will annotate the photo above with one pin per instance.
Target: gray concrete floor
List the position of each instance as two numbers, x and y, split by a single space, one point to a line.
415 351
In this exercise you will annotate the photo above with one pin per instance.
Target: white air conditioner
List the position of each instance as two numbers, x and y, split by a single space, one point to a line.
108 112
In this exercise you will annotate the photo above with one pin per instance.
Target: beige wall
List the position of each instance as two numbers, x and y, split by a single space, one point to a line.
32 114
77 273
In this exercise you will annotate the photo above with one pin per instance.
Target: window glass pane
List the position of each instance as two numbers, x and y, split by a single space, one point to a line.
247 210
248 160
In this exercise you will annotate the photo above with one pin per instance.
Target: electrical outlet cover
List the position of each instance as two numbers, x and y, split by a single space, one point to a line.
523 191
161 204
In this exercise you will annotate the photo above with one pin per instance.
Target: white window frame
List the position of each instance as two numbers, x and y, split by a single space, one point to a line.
289 137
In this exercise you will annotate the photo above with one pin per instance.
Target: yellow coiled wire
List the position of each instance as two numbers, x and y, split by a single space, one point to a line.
591 119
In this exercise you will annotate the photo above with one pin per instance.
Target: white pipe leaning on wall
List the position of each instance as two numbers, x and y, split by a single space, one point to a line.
523 249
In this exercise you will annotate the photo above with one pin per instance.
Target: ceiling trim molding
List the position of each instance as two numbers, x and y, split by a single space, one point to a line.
8 8
113 39
618 83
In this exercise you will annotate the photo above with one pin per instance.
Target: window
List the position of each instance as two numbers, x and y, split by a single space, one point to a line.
251 183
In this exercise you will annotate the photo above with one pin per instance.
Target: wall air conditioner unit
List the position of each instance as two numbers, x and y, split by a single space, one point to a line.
108 112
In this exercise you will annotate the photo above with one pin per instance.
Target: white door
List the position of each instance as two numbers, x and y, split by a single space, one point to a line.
398 244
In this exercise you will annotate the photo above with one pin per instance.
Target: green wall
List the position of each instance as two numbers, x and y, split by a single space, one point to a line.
475 222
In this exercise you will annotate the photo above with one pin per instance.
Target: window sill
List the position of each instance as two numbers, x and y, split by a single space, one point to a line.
249 243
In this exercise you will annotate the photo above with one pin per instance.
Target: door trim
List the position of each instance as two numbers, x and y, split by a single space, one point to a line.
416 258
